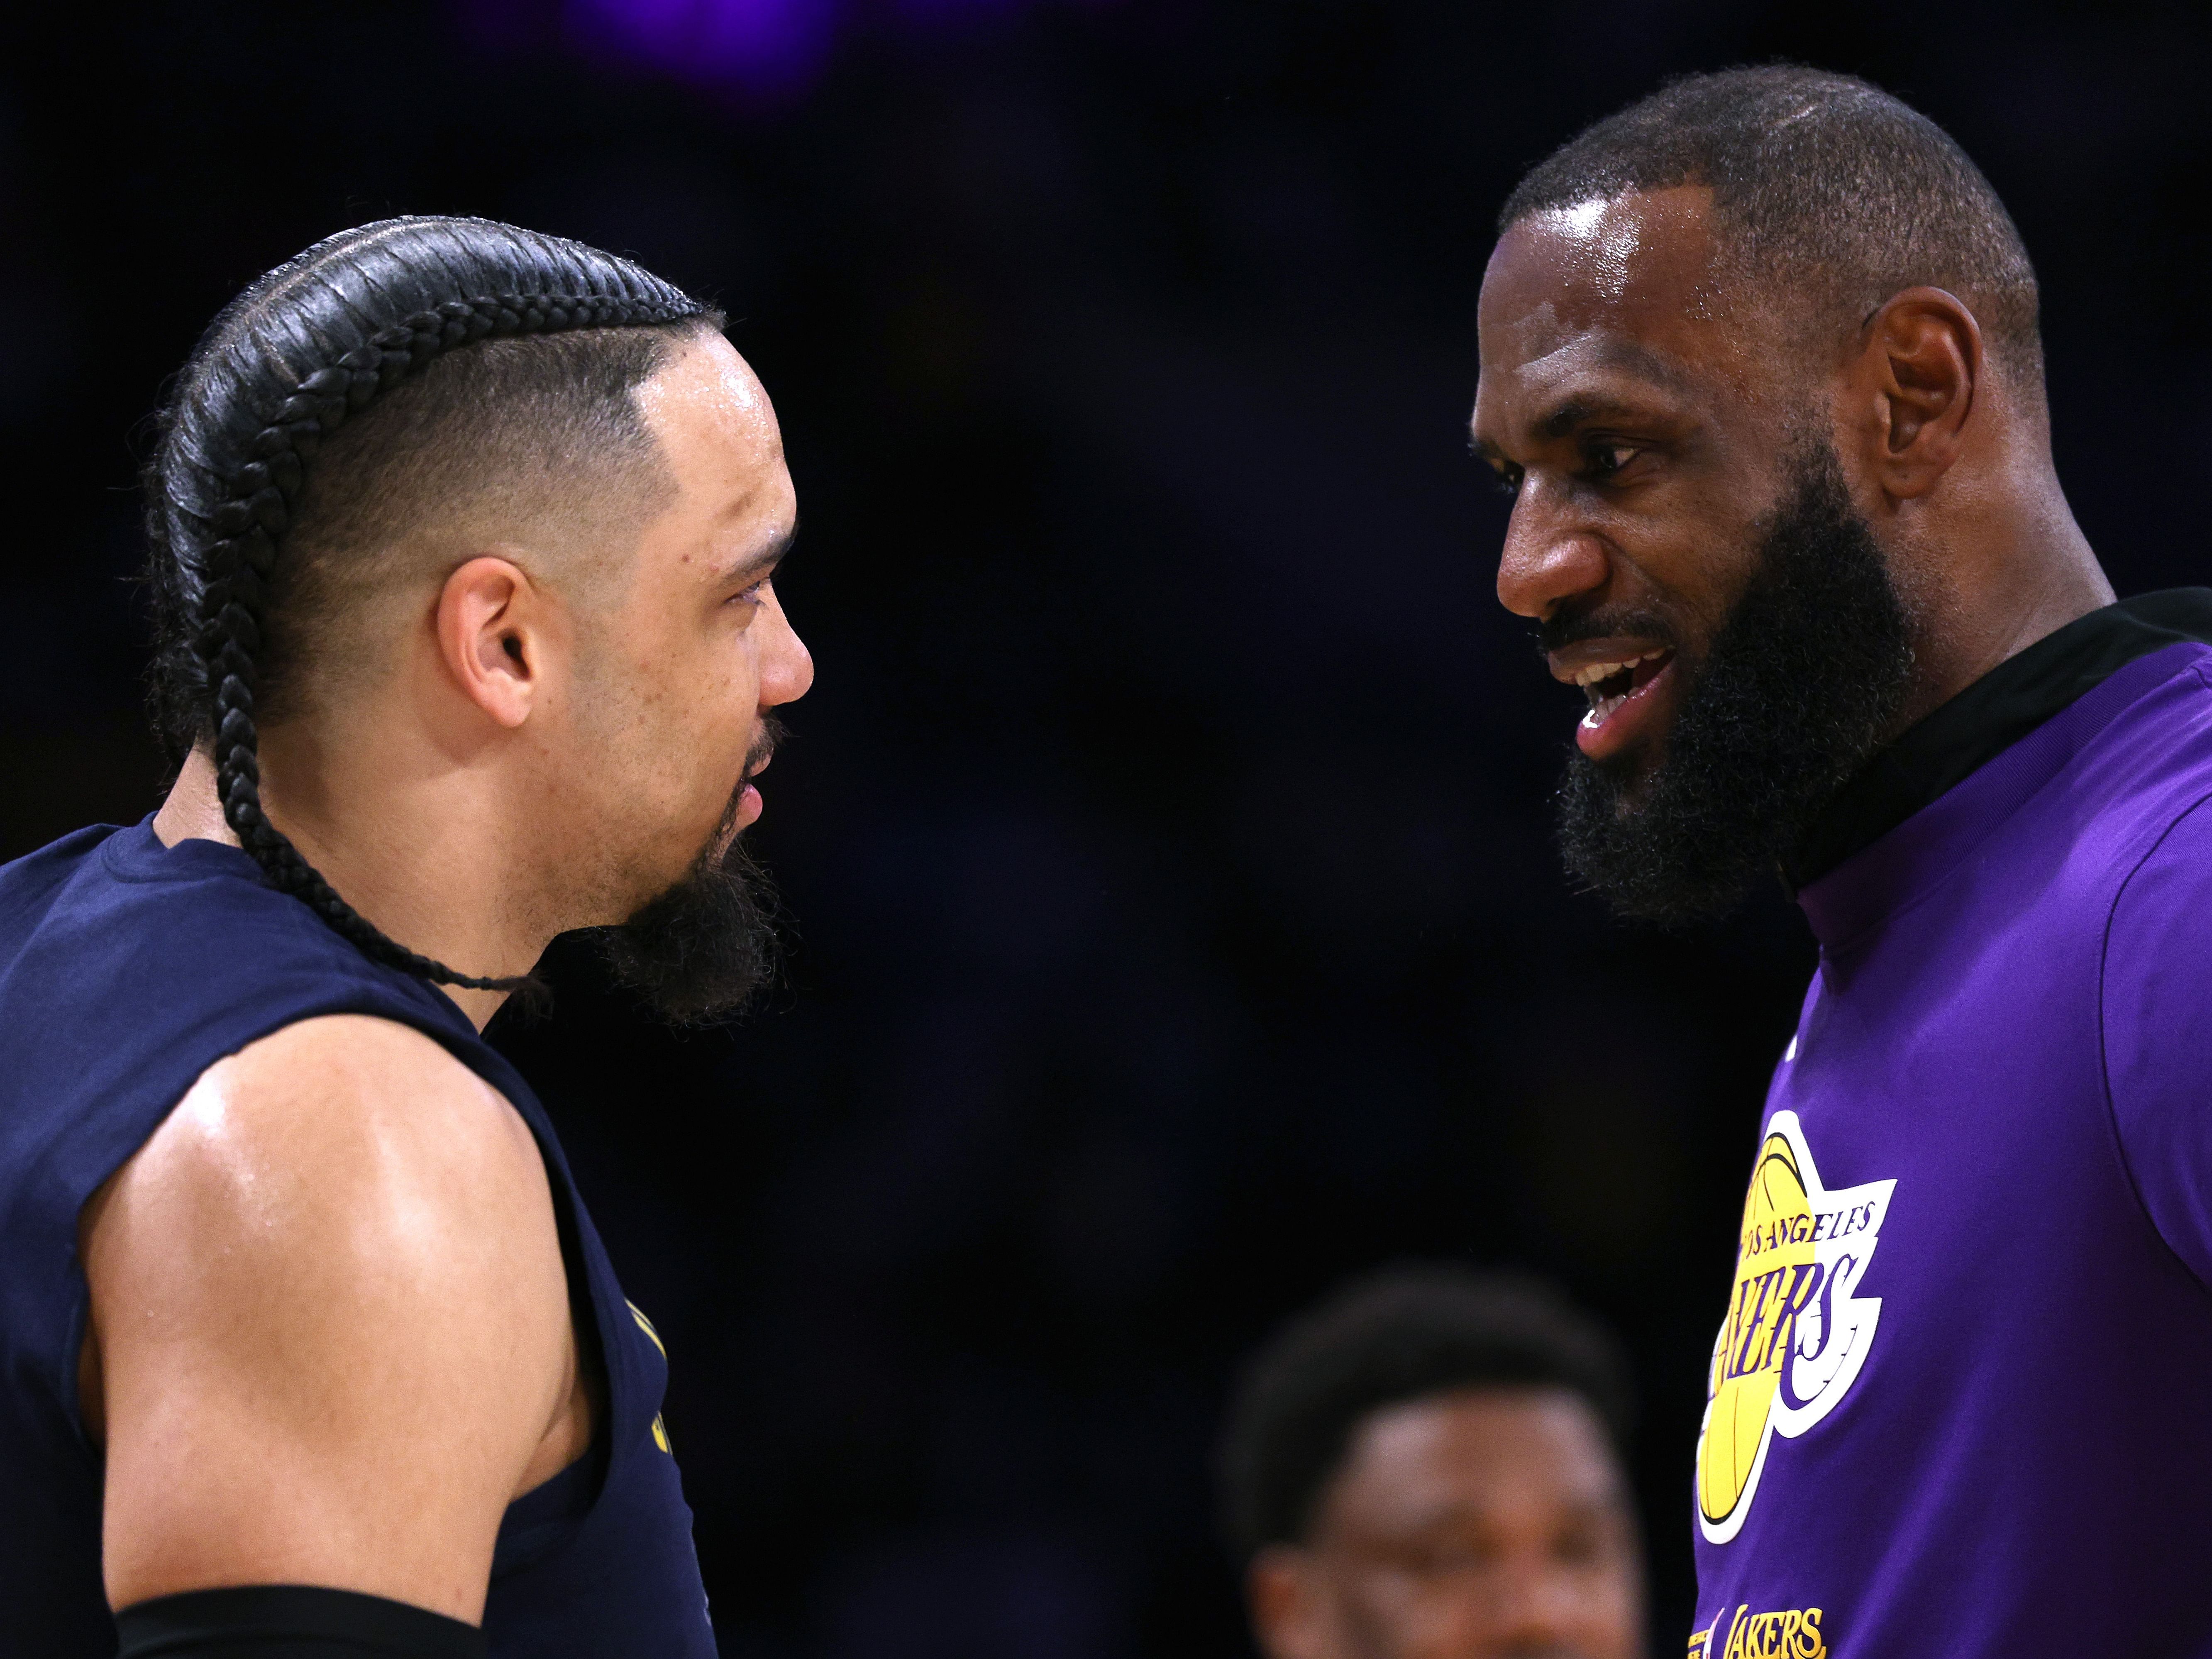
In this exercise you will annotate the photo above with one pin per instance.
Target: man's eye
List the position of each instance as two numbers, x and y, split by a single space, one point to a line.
1507 480
1606 459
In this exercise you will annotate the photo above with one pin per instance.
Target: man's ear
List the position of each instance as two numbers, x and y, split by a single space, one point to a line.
491 637
1290 1614
1915 382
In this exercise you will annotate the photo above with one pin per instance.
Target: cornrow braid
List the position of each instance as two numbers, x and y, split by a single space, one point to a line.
228 481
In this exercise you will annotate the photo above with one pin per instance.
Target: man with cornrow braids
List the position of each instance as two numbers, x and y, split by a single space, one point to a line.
463 541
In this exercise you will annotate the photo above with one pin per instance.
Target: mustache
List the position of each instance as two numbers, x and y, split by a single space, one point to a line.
1565 627
722 845
770 737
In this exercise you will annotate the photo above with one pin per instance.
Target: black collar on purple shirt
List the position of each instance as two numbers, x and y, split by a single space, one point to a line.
1990 716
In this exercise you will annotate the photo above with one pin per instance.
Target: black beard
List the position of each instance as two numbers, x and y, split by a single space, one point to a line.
701 952
1802 685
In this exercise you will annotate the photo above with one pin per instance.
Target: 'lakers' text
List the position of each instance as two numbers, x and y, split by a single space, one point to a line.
1791 1633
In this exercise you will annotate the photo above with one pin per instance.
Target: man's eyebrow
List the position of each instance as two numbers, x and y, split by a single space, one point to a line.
1632 358
751 568
1579 410
1576 410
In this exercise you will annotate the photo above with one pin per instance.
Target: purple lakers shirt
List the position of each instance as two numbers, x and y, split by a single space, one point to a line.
1960 1404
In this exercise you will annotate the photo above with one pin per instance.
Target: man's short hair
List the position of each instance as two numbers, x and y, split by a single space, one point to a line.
1822 184
399 381
1403 1334
538 439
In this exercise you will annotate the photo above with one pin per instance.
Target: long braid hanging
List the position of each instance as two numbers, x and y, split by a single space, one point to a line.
258 510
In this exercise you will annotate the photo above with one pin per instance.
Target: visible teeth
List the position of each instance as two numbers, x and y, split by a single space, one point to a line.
1601 705
1601 710
1606 671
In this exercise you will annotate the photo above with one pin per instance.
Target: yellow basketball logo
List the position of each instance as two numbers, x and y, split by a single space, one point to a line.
1796 1335
1774 1266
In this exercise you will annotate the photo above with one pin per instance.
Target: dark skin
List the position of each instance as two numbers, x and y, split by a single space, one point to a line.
1644 406
1491 1523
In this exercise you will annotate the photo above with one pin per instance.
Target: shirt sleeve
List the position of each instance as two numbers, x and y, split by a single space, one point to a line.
2155 1011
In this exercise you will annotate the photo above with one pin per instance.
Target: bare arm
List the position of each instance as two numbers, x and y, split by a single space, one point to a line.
330 1329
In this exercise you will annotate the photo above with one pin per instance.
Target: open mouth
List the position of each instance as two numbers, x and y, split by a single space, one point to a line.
1609 685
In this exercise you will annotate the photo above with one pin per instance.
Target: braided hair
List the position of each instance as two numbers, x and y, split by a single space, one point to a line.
300 352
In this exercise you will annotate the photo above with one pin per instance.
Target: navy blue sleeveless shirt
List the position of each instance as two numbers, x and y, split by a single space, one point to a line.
126 970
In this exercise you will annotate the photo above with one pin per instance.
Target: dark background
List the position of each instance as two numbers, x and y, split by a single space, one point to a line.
1178 928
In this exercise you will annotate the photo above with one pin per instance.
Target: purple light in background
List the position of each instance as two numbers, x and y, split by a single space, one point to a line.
771 48
768 51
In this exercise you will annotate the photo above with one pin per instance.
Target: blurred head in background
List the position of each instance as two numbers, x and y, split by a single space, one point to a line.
1428 1466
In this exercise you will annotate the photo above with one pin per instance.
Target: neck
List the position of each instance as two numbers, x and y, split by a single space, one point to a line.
2013 568
422 863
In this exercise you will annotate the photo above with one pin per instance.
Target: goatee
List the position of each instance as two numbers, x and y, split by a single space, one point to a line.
1800 685
703 950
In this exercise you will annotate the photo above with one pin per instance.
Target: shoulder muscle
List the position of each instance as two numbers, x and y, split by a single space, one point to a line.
332 1323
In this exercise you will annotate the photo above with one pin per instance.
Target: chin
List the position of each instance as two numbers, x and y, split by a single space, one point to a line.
1632 776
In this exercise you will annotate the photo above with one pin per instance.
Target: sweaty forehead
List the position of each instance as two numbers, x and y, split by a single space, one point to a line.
1625 286
708 396
1637 263
717 434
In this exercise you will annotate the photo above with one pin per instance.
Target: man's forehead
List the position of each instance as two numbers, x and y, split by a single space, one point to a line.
1600 357
707 394
1637 266
1423 1460
1615 300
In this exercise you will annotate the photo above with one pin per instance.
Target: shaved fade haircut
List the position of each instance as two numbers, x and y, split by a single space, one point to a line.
538 442
398 395
1823 187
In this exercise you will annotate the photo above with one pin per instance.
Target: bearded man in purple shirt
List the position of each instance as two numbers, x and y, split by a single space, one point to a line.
1761 368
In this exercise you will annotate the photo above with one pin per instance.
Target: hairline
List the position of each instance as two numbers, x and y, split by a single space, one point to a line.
1755 288
344 618
1333 1475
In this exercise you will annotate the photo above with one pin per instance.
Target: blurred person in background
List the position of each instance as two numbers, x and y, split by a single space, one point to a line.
1762 369
1428 1466
463 547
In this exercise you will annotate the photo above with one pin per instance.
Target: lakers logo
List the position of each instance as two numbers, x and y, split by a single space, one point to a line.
1792 1633
1796 1335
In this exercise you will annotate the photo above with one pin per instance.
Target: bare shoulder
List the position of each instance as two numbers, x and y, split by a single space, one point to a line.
344 1106
344 1155
330 1323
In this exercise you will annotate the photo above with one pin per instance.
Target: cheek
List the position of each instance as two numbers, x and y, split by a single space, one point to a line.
1420 1616
655 746
1700 567
726 715
709 725
1453 1619
1614 1605
708 690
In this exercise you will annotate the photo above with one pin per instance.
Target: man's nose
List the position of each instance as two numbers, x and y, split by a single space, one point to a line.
1548 557
1536 1610
788 671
